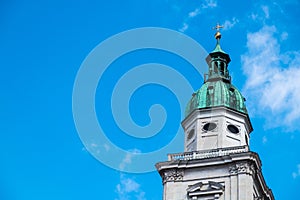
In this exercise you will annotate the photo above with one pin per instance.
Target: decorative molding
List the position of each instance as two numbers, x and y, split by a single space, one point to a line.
205 189
173 175
239 168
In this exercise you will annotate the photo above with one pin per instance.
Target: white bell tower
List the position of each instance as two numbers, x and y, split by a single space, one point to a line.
216 162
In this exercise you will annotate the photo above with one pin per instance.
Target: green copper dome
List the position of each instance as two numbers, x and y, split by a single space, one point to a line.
215 94
217 89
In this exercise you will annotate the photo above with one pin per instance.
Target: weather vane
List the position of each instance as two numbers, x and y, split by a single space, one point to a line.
218 26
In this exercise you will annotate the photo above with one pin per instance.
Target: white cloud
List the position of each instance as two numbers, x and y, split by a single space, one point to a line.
191 15
127 185
266 11
127 159
273 84
253 16
94 145
262 13
264 139
129 189
228 24
297 173
184 27
197 11
106 147
194 13
209 4
95 148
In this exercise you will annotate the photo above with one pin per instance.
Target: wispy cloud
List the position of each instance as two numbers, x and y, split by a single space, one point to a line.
128 188
191 15
184 27
228 24
284 36
297 173
265 9
262 13
272 78
197 11
194 13
106 147
127 159
264 139
93 147
209 4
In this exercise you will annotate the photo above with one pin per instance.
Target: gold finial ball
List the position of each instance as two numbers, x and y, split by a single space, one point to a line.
218 35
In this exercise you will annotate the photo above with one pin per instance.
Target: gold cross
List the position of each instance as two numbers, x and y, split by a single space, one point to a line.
218 27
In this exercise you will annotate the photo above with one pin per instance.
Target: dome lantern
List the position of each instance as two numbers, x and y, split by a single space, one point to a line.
218 61
217 89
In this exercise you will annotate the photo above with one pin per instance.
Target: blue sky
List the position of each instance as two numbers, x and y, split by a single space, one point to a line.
43 44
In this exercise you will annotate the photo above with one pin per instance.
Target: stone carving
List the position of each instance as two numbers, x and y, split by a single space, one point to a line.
239 168
210 189
195 187
173 175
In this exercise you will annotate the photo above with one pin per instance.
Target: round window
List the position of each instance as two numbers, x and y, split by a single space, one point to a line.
191 134
209 126
233 129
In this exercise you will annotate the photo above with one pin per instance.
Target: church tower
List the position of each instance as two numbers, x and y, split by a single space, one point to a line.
216 162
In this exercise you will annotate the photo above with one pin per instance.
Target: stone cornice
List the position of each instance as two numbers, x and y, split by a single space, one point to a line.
218 160
240 163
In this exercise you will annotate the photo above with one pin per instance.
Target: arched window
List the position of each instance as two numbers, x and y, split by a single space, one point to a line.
215 64
222 68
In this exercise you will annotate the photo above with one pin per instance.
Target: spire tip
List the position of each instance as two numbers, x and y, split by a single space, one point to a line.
218 34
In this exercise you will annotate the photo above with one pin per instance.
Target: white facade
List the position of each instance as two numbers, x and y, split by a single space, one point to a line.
226 177
210 129
217 163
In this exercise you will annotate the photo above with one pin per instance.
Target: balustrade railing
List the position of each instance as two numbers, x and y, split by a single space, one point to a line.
207 153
